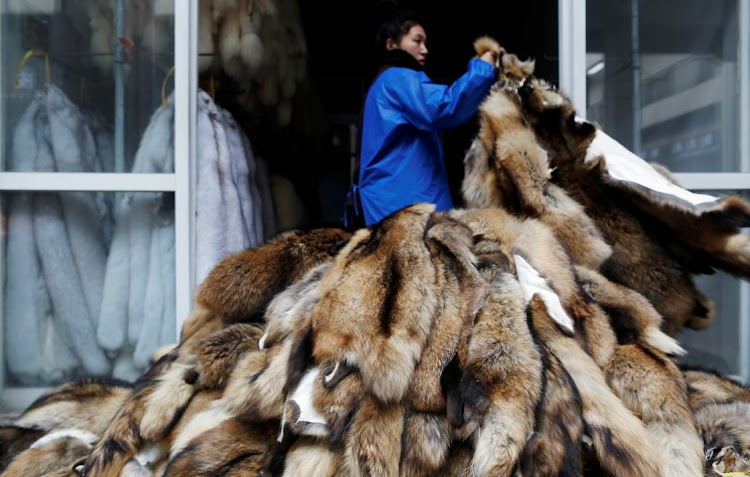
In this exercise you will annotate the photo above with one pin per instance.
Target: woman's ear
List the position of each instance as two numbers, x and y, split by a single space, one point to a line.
390 44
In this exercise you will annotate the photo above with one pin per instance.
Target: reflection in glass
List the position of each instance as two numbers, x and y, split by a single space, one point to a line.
662 80
89 284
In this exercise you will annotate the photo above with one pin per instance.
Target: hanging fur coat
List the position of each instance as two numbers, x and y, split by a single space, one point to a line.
63 266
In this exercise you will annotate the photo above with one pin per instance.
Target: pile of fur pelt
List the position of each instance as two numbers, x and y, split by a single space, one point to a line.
527 334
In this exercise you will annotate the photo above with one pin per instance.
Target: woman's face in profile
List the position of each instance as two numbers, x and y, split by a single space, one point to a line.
415 43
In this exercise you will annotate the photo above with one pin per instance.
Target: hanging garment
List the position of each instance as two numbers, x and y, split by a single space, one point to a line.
63 232
210 237
230 211
241 172
74 150
134 304
24 314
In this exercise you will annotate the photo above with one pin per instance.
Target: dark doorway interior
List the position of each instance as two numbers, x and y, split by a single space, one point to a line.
340 36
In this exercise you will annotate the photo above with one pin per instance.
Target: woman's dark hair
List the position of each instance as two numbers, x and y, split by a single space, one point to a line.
395 27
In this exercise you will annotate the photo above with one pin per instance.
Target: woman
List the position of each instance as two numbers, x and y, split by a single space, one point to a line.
401 158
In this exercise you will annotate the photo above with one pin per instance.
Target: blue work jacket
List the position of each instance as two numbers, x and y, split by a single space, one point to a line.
401 158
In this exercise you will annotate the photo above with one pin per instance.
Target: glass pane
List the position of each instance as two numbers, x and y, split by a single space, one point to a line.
74 80
89 284
718 346
662 79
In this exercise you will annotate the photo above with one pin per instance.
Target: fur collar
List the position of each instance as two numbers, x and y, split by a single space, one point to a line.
398 58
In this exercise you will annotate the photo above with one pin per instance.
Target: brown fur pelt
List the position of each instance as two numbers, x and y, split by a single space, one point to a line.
14 440
510 66
554 448
241 285
644 378
310 458
658 241
722 412
462 293
86 405
506 167
501 381
373 443
620 440
60 457
236 447
202 362
382 282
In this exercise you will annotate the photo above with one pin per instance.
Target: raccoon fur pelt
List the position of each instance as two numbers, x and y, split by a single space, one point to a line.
241 285
535 158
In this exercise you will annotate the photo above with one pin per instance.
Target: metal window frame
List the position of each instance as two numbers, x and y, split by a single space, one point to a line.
182 182
572 68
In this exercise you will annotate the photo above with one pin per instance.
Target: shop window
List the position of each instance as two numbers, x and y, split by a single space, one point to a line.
88 257
665 78
669 76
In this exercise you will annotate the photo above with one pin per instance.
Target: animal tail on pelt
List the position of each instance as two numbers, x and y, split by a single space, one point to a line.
554 448
155 404
620 440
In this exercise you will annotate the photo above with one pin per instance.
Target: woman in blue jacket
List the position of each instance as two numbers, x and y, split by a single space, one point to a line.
401 158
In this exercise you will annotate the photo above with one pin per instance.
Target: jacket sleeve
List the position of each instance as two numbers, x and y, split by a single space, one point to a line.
431 106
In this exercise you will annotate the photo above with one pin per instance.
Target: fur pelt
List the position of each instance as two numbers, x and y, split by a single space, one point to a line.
382 281
626 364
506 167
659 240
373 444
310 458
643 377
14 440
620 440
554 447
511 67
86 405
462 293
241 285
722 411
501 381
236 447
160 396
57 455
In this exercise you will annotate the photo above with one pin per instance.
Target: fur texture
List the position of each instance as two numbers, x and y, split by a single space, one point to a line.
58 457
462 292
241 285
647 256
309 458
722 411
382 282
373 444
506 167
159 398
237 447
88 404
622 444
554 448
502 378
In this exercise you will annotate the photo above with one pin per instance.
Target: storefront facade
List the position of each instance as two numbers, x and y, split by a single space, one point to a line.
665 78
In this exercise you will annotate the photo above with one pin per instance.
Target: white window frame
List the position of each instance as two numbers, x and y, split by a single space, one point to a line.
182 182
572 69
